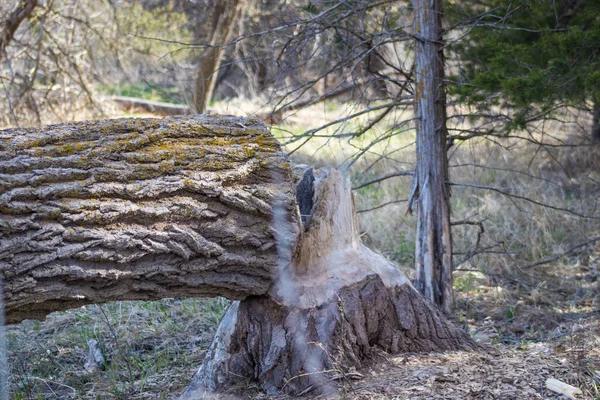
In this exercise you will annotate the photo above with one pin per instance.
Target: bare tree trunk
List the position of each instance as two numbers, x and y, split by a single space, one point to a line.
596 123
206 206
139 209
434 242
225 15
22 12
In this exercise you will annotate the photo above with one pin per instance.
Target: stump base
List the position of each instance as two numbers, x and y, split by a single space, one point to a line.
293 350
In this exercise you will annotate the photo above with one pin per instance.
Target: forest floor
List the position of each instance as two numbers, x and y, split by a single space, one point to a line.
534 322
152 350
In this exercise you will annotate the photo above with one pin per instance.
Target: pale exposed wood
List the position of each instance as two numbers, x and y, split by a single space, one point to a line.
95 359
336 307
139 209
564 388
433 254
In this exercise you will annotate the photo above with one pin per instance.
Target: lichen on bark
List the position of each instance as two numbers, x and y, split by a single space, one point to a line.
138 209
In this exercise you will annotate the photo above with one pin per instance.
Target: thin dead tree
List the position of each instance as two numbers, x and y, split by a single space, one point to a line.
431 192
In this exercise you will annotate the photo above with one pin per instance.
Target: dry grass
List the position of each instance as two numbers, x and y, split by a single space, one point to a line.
542 320
152 349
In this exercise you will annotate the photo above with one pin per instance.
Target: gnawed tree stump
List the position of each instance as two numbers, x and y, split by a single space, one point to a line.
333 308
205 206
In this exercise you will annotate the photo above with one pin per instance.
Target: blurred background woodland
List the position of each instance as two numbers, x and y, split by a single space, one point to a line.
335 81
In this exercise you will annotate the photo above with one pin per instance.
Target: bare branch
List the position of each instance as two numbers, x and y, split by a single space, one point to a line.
383 178
564 253
23 11
382 205
516 196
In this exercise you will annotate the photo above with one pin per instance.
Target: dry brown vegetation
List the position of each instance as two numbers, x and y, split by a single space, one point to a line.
527 282
536 321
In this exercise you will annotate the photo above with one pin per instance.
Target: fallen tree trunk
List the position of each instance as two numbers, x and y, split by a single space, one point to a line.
132 104
206 206
138 209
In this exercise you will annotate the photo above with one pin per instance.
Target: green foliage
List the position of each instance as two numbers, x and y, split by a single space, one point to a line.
404 250
544 53
511 311
464 282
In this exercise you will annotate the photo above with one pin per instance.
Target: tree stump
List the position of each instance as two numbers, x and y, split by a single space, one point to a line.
332 309
143 209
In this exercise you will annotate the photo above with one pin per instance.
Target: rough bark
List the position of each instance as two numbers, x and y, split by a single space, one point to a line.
596 123
338 305
225 16
139 209
434 242
297 350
